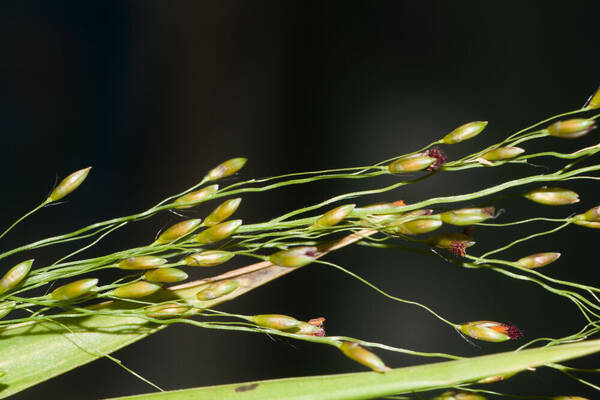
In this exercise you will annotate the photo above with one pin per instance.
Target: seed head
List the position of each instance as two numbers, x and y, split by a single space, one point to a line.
305 328
415 226
178 230
594 100
467 216
571 128
75 289
275 321
68 184
208 258
289 324
502 153
491 331
222 212
218 232
142 262
333 217
191 199
227 168
593 214
170 310
294 257
411 163
464 132
168 275
587 224
552 196
218 289
15 275
136 290
363 356
538 260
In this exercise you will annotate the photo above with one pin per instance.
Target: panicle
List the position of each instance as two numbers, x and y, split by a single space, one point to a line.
464 132
552 196
68 184
294 257
333 217
167 275
136 290
191 199
502 153
15 275
208 258
75 289
491 331
178 230
467 216
225 169
169 310
363 356
218 289
538 260
222 212
571 128
411 163
414 227
141 262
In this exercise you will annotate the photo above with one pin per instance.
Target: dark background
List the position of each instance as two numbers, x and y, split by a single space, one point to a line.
153 94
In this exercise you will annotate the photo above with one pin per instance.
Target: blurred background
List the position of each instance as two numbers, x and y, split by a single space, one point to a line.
153 94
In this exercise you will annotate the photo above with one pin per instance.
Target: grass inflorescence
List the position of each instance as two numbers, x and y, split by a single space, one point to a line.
303 236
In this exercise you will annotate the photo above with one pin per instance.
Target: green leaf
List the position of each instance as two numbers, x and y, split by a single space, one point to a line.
367 385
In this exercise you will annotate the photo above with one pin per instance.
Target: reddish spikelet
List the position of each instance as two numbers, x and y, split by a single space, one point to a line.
458 249
317 321
440 158
311 253
319 333
491 331
512 331
399 203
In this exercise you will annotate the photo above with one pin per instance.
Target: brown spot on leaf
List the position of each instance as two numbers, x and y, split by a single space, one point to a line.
245 388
